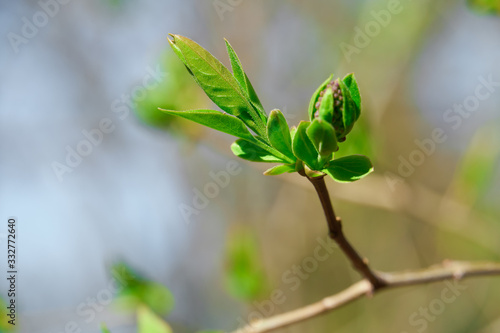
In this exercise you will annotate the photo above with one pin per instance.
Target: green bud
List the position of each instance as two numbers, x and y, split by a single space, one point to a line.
334 103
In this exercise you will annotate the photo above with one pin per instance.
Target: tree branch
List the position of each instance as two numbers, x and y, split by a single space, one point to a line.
336 233
447 270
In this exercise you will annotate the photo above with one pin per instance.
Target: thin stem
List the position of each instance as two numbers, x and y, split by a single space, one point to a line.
448 270
336 233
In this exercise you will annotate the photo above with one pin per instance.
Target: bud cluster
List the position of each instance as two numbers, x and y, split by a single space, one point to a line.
336 121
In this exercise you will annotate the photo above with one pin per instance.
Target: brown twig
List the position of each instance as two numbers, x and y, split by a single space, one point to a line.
336 233
448 270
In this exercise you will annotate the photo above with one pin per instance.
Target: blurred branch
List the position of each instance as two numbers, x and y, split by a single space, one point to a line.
447 270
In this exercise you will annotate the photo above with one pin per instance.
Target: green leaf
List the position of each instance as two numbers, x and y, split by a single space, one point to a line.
326 106
350 168
279 169
303 148
315 97
242 78
352 85
149 322
279 133
351 111
323 137
252 152
216 120
217 82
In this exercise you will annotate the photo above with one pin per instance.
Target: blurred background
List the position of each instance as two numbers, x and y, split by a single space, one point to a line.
96 176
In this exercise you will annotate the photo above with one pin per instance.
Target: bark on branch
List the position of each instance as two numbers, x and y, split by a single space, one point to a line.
447 270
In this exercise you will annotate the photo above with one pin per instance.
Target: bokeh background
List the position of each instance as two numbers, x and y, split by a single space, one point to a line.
106 64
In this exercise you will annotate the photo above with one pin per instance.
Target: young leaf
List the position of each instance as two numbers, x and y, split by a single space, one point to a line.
252 152
350 168
315 97
216 120
350 110
323 137
303 148
217 82
279 133
240 75
148 322
279 169
352 85
326 107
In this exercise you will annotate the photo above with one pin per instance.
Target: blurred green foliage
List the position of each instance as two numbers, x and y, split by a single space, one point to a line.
104 328
478 165
4 325
149 322
245 275
138 291
485 6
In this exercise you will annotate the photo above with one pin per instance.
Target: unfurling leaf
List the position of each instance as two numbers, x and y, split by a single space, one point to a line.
279 133
351 84
217 82
216 120
279 169
350 168
303 148
323 137
315 97
242 78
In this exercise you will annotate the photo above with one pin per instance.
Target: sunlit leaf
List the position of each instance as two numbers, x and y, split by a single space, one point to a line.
279 133
280 169
216 120
350 168
252 152
352 85
303 148
217 82
323 137
243 80
315 97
